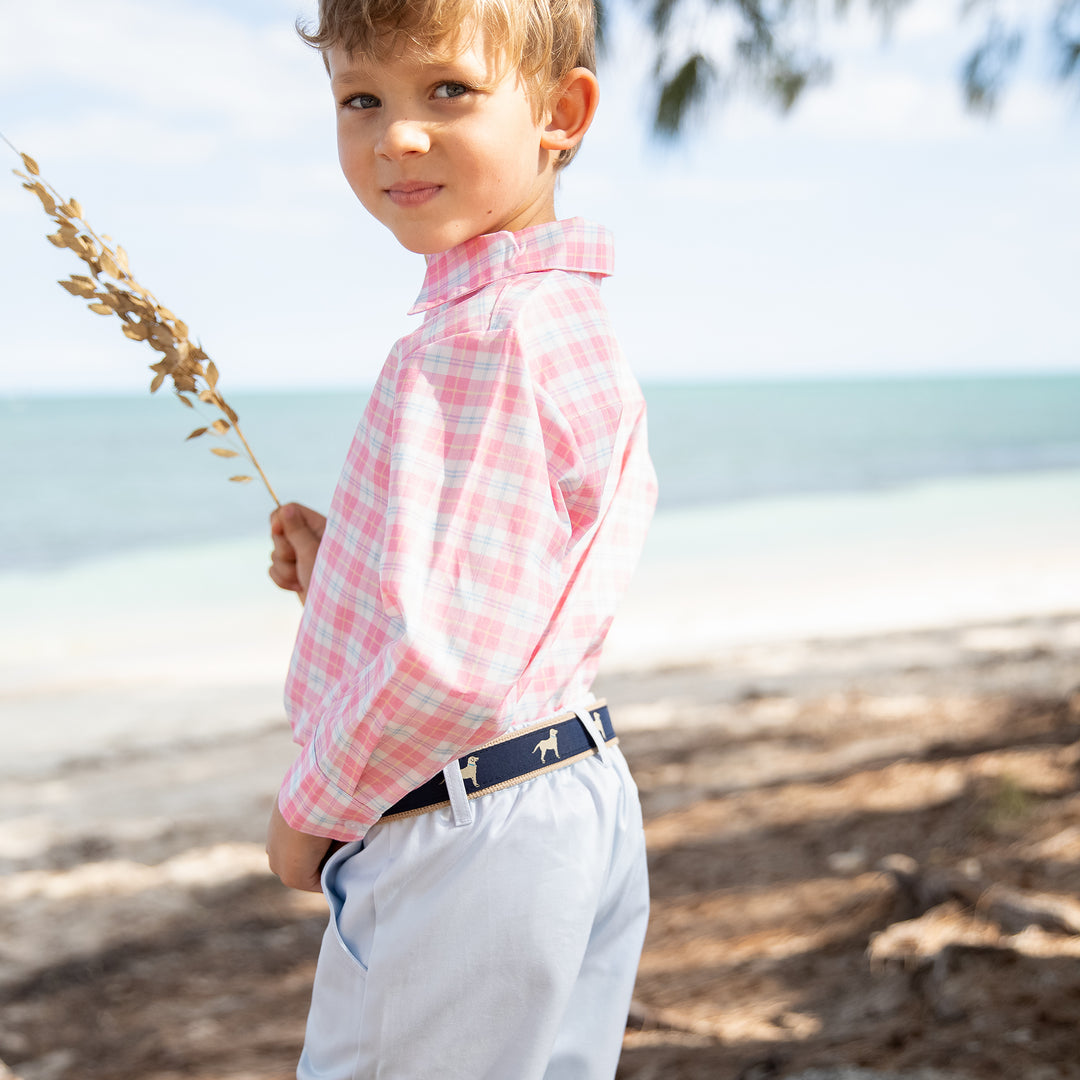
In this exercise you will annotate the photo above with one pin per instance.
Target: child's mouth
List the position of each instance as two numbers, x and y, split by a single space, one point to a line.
412 192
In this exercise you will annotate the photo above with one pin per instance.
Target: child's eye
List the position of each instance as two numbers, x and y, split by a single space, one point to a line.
450 90
362 101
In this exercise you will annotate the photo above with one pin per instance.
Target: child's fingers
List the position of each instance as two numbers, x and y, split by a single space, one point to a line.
284 579
279 513
282 569
296 531
283 550
315 521
301 538
304 540
290 513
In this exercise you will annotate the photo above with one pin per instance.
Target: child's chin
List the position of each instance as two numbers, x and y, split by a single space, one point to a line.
427 243
420 248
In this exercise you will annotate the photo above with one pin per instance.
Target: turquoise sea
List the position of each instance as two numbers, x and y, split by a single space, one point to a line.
97 476
135 607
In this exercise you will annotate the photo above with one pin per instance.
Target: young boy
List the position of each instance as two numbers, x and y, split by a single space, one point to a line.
458 787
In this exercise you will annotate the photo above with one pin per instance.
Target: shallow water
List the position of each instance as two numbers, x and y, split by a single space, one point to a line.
91 476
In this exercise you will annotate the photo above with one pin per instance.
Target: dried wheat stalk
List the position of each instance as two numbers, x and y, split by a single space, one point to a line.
111 290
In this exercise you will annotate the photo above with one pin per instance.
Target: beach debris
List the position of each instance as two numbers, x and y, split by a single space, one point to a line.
111 289
848 863
644 1017
959 908
1017 909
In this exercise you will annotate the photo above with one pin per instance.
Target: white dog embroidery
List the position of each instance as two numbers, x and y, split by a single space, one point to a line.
550 743
469 772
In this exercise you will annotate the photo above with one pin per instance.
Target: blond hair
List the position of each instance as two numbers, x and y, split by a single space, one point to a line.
544 39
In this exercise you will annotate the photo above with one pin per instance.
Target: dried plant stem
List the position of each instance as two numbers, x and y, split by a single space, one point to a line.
10 143
111 289
255 461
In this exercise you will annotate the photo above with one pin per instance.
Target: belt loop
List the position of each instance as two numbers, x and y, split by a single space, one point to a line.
459 802
595 731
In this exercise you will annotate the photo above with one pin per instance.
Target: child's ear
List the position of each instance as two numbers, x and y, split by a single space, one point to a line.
571 110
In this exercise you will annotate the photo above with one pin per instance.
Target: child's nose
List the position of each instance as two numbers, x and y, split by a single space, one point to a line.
401 137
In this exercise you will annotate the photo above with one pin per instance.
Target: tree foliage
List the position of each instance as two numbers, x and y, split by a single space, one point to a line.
772 50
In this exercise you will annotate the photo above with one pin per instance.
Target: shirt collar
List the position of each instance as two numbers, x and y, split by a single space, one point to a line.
575 245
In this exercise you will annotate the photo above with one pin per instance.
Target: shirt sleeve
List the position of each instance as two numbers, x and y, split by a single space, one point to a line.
470 574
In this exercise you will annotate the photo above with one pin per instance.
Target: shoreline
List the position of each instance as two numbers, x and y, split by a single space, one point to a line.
118 865
155 645
203 716
217 781
803 686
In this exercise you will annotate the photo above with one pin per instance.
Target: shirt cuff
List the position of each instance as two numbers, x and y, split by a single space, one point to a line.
310 802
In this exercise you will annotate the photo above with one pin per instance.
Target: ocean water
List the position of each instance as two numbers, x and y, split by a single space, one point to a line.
96 477
135 609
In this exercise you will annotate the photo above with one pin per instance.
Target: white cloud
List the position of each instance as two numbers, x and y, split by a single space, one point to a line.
921 21
865 105
203 126
1029 106
720 192
893 81
122 136
297 199
159 66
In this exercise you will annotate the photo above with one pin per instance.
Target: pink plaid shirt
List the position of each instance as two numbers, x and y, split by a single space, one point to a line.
488 518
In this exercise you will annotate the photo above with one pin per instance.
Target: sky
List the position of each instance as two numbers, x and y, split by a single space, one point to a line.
878 230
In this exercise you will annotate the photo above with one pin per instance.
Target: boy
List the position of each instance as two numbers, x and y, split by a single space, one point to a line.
478 835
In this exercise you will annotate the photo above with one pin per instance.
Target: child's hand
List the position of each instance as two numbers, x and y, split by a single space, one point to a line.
296 857
297 531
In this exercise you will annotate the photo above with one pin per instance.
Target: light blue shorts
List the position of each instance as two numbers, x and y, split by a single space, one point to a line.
499 948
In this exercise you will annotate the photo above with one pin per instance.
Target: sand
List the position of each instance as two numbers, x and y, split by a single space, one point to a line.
860 769
144 938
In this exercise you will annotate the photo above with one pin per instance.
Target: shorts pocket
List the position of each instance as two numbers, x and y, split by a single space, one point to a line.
348 881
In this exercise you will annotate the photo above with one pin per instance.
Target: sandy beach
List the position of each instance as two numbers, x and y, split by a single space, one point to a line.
860 770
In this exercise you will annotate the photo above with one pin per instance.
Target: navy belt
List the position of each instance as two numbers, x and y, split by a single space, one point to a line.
512 759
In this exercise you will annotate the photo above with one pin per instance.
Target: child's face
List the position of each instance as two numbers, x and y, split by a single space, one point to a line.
441 152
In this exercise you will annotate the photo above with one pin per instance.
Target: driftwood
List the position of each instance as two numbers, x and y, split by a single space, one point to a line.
927 939
644 1017
953 911
1010 909
950 913
927 888
1015 910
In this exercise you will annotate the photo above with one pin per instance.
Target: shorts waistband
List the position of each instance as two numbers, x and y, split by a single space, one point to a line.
512 759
